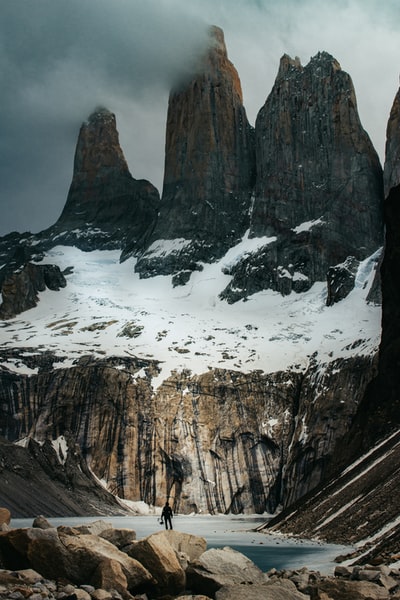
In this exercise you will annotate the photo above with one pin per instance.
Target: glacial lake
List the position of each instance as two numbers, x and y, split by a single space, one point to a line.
265 550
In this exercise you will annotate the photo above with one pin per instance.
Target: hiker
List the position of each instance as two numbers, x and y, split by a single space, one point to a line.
167 515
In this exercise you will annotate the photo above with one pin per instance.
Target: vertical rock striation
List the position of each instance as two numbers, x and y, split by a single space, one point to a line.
218 442
209 167
391 174
319 181
106 207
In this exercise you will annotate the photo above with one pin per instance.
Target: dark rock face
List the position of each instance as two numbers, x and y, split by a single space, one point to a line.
319 181
106 207
391 175
35 480
329 399
209 166
380 410
341 279
360 500
20 289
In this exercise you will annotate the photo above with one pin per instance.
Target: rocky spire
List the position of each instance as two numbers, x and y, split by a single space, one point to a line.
391 174
314 160
104 199
209 162
319 181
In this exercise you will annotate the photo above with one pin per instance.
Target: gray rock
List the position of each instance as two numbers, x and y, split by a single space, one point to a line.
279 590
94 528
350 590
41 523
218 567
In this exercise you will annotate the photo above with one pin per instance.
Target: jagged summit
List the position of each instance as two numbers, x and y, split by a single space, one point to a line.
106 206
318 193
209 168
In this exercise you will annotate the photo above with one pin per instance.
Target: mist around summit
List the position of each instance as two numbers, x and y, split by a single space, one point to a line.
60 61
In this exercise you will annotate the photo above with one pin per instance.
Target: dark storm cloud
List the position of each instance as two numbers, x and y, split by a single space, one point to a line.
61 58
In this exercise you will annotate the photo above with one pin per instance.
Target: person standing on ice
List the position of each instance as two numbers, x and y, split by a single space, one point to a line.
167 515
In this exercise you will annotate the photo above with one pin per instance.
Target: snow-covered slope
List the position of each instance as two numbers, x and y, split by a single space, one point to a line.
107 309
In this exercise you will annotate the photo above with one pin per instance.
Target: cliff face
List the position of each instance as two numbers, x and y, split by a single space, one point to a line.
359 498
319 190
391 173
209 167
222 441
106 207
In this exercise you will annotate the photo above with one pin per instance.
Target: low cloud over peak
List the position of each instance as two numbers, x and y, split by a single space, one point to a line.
58 60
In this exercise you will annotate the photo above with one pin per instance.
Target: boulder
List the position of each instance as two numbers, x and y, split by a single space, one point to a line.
218 567
196 597
119 537
55 554
159 557
41 523
95 528
101 594
86 552
109 576
274 591
337 589
5 516
191 545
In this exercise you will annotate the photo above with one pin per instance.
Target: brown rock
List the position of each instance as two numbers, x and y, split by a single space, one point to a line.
102 595
191 545
209 164
103 194
109 576
94 528
158 556
274 591
41 522
56 555
86 552
5 516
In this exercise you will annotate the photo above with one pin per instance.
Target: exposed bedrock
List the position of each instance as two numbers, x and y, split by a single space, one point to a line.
209 166
106 207
222 441
319 191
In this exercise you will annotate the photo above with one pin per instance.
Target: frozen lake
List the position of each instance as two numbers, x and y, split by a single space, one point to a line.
266 550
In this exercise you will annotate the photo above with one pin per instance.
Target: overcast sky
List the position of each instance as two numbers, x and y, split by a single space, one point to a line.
59 59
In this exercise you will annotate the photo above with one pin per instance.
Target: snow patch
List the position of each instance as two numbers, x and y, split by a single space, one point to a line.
190 327
307 225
